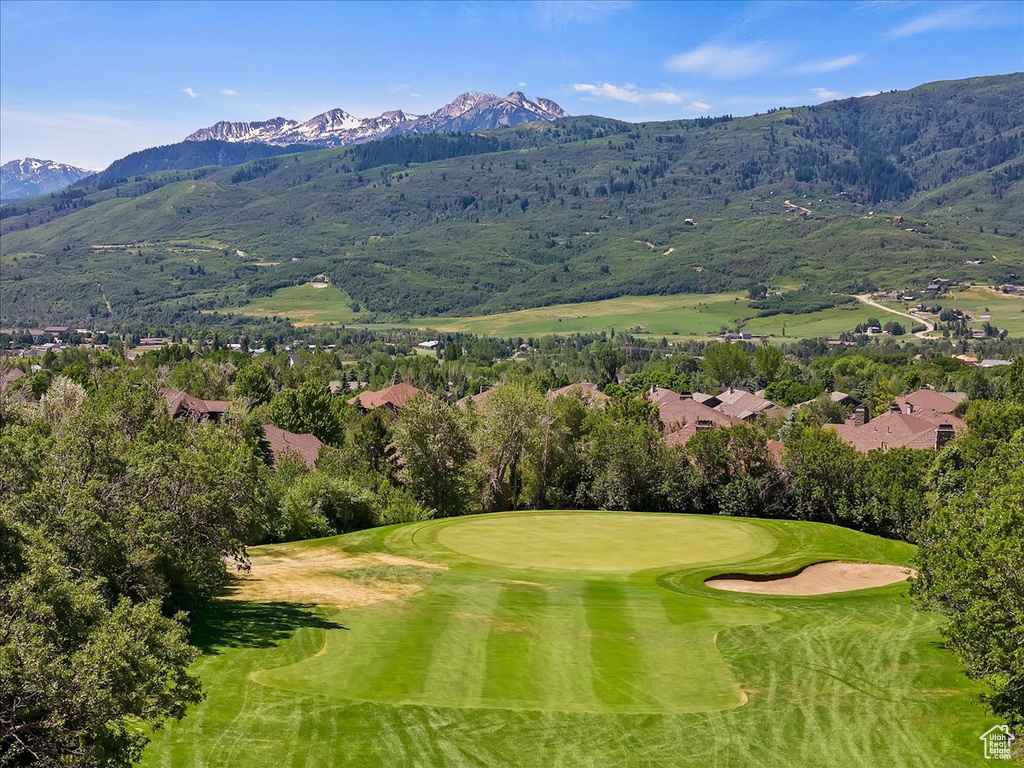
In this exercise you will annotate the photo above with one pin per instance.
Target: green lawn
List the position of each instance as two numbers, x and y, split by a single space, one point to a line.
567 639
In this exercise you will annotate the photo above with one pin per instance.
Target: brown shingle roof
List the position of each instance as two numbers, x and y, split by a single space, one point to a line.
394 397
929 399
281 440
685 410
894 430
181 404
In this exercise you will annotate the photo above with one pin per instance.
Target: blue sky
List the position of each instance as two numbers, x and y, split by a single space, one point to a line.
88 82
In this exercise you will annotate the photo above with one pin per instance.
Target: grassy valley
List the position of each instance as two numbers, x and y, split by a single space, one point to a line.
581 209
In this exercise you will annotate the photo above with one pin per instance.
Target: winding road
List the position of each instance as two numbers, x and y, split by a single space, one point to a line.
929 327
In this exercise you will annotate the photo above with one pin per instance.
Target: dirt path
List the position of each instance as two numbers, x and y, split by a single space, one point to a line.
929 327
817 579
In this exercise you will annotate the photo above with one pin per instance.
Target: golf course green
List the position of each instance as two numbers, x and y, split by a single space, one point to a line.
571 638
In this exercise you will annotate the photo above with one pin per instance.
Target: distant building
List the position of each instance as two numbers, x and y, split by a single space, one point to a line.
429 344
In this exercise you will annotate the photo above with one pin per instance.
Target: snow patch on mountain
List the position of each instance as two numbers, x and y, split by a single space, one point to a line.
471 111
29 177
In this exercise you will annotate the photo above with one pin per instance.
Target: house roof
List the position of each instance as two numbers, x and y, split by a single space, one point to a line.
11 376
395 396
929 399
585 389
179 402
685 410
476 399
743 404
893 430
281 440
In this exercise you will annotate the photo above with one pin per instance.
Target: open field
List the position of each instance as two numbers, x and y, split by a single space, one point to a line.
679 314
308 304
567 639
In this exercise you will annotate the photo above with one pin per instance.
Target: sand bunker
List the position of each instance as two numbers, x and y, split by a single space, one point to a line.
330 577
817 579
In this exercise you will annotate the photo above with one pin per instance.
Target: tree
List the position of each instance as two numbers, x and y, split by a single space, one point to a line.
61 402
371 440
318 505
768 362
896 488
80 672
970 563
626 458
825 474
254 385
435 446
727 364
510 426
310 409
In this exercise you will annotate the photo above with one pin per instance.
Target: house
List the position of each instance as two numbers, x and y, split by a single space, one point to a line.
277 441
393 398
991 363
293 360
746 405
898 430
57 330
589 392
429 344
679 410
181 405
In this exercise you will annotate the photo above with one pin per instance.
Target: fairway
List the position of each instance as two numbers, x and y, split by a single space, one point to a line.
570 638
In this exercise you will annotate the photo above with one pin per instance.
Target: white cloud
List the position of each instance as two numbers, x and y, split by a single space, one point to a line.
415 95
969 16
724 61
227 92
190 93
522 84
558 13
697 104
85 139
828 65
628 93
824 94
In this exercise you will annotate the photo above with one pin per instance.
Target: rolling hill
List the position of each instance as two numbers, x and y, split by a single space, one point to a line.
578 209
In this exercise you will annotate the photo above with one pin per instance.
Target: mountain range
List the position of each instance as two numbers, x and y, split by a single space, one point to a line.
337 128
886 191
23 179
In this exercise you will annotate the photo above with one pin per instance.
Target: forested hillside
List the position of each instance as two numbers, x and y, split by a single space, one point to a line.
577 209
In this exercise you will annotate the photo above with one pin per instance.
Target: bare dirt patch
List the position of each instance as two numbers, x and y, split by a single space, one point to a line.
817 579
330 577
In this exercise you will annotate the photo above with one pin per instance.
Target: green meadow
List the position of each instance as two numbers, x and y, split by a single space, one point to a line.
685 314
308 304
570 639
